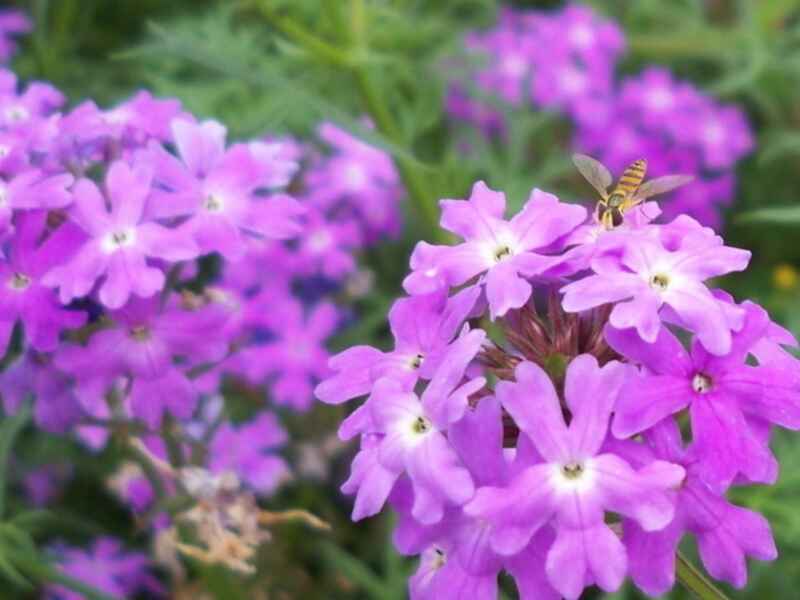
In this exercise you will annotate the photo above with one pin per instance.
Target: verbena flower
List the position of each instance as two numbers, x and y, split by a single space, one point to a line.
23 298
642 274
562 60
724 395
106 566
546 446
12 22
216 189
680 130
118 241
504 253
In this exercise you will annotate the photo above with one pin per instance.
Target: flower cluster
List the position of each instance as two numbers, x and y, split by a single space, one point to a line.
562 61
629 398
12 23
148 264
106 566
566 61
680 130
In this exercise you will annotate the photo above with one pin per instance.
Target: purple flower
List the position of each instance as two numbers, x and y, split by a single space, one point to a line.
356 179
32 190
56 407
12 22
504 253
294 359
248 451
575 483
22 295
143 344
106 566
561 60
216 189
723 394
423 328
119 241
725 533
647 274
678 130
457 558
411 439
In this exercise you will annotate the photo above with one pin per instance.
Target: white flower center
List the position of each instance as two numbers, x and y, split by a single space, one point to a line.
702 383
659 282
140 333
713 133
213 203
354 176
581 36
17 113
19 282
3 196
514 65
416 361
439 559
117 116
319 241
421 425
4 150
574 476
119 239
572 81
660 99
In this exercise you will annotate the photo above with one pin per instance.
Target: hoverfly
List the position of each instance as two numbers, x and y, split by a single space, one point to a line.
629 191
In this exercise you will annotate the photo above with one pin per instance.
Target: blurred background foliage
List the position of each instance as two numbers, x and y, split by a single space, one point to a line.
245 63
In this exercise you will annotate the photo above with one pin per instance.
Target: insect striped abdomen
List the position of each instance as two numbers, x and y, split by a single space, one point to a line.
631 178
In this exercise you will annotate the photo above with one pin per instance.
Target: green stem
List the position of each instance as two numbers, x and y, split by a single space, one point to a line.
38 569
714 43
172 439
312 43
697 583
9 431
354 62
150 471
422 200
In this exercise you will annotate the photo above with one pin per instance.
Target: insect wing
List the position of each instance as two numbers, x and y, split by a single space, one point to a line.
594 172
660 185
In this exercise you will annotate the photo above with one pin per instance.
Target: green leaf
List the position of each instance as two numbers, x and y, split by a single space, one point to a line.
37 567
779 215
355 571
779 145
10 572
697 583
9 430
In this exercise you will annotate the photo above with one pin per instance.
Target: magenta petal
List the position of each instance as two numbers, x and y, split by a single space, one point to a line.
595 290
641 313
726 446
370 481
518 511
437 472
534 405
651 556
700 312
664 356
505 289
527 569
200 145
170 244
723 549
639 495
647 399
353 375
591 393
